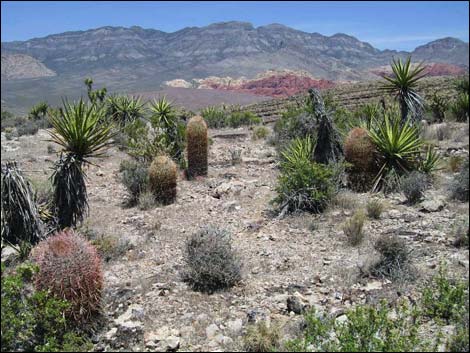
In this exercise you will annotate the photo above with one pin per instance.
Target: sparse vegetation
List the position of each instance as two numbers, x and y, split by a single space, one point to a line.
134 176
262 337
460 107
413 186
211 263
374 208
459 187
353 228
394 262
260 132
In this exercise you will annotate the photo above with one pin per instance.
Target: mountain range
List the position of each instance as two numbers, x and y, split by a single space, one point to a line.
136 59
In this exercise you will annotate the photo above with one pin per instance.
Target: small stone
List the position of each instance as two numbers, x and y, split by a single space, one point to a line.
211 331
235 327
295 305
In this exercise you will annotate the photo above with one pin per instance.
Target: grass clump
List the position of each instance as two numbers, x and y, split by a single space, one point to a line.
353 228
461 234
211 263
146 201
262 337
413 186
375 208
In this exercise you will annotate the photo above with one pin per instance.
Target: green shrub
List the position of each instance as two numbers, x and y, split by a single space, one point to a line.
366 328
30 127
374 208
353 228
239 118
459 186
214 117
459 341
210 262
460 107
444 298
260 337
134 176
34 321
260 132
413 186
302 184
295 123
438 106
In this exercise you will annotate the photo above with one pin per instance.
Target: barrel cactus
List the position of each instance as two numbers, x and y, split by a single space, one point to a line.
162 176
70 269
196 134
361 153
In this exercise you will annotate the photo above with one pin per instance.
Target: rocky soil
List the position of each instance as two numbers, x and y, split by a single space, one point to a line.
302 259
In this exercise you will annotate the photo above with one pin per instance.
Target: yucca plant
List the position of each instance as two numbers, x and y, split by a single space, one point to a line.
460 107
398 145
82 132
430 161
403 84
368 114
20 217
438 107
79 130
298 151
166 121
124 110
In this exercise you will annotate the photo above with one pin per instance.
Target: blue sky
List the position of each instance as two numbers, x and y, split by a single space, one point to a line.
392 25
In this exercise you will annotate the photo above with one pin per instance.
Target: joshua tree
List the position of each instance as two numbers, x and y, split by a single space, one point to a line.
403 84
39 111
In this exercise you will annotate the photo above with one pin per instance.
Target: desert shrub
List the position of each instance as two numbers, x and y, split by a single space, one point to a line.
361 153
394 261
30 127
455 163
295 123
459 341
196 135
239 118
260 132
353 228
20 216
413 186
162 176
460 107
70 269
374 208
110 246
7 120
146 200
367 328
35 321
302 184
345 200
143 143
214 117
261 337
459 186
461 234
134 176
211 263
443 297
